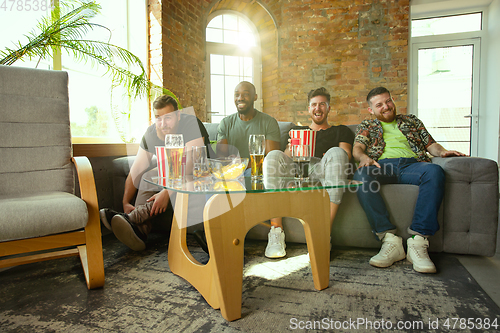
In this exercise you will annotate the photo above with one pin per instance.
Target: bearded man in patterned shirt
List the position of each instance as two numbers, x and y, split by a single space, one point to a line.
392 149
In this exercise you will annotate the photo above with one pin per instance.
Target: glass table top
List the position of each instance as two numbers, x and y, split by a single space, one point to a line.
211 185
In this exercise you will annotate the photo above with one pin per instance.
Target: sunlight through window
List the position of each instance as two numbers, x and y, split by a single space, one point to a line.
232 57
446 25
272 270
230 29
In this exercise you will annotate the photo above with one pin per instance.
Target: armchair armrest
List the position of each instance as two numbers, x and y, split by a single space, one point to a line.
87 185
90 254
470 205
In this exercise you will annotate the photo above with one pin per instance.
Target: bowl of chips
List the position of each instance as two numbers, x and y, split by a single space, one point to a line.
230 185
228 168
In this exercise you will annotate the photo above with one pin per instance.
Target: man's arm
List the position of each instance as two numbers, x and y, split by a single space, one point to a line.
141 163
347 147
437 150
271 145
222 148
358 151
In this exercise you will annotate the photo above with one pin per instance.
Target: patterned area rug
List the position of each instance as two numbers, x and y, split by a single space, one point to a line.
142 295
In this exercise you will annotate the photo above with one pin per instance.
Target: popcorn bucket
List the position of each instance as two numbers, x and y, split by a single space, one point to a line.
306 137
161 154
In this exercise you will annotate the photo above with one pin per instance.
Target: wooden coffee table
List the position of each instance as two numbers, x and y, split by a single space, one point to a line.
228 215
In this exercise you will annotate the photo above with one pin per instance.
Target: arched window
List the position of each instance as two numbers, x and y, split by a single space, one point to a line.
233 55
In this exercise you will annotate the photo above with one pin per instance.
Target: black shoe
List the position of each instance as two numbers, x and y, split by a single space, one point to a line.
106 215
201 239
127 232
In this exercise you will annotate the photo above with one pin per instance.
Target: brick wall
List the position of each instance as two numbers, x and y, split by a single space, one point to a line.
348 47
177 49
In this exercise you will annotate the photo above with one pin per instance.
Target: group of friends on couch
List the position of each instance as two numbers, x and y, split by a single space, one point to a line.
389 148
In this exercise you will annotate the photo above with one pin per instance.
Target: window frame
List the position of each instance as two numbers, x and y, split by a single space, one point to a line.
451 15
233 50
475 38
134 39
137 50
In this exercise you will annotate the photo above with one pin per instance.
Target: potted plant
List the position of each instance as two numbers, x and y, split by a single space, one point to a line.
66 31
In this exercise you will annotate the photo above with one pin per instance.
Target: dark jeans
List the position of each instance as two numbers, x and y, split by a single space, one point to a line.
429 178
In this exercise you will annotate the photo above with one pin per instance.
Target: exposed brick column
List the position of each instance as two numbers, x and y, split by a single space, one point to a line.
177 49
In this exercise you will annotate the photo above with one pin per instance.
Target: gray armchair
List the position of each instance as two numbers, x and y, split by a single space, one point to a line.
41 218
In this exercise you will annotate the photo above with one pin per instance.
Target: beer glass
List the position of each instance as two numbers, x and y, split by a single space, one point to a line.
174 148
301 156
256 148
200 162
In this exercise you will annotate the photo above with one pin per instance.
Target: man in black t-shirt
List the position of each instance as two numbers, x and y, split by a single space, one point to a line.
330 163
133 226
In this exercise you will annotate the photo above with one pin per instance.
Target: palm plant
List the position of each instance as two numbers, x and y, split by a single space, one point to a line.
66 30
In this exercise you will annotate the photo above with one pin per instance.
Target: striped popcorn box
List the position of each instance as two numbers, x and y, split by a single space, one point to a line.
161 154
305 137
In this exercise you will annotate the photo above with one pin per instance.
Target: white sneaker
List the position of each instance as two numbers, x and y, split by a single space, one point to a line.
276 243
418 255
392 250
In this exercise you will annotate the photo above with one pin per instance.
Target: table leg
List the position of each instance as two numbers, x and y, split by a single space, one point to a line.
180 260
228 217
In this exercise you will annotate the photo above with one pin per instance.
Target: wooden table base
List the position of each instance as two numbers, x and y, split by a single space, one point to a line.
228 217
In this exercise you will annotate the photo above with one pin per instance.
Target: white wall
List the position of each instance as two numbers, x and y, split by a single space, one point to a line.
489 121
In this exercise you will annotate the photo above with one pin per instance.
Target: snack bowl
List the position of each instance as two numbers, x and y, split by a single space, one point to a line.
228 168
227 186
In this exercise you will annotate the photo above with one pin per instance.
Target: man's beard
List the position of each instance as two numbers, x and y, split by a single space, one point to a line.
161 133
388 118
247 109
317 121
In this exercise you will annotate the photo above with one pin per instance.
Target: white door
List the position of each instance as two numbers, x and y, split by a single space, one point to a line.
447 89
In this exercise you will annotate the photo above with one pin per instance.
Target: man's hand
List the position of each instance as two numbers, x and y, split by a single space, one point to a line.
272 145
449 153
437 150
367 161
358 151
127 208
160 202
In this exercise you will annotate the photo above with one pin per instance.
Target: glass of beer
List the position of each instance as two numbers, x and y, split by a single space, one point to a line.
200 162
174 148
301 156
256 148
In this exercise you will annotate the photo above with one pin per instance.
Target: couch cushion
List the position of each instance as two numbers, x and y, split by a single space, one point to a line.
211 130
49 213
284 129
470 204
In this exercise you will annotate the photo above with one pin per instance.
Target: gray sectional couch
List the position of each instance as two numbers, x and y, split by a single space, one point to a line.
468 216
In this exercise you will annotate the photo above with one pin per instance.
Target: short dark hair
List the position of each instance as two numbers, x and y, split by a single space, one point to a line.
318 92
375 92
163 101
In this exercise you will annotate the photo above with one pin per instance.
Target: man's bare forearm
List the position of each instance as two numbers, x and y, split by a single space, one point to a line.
129 191
358 152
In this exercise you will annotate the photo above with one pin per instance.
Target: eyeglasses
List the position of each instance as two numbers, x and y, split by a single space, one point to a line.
321 105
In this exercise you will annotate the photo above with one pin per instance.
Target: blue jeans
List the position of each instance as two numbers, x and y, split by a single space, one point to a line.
429 178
